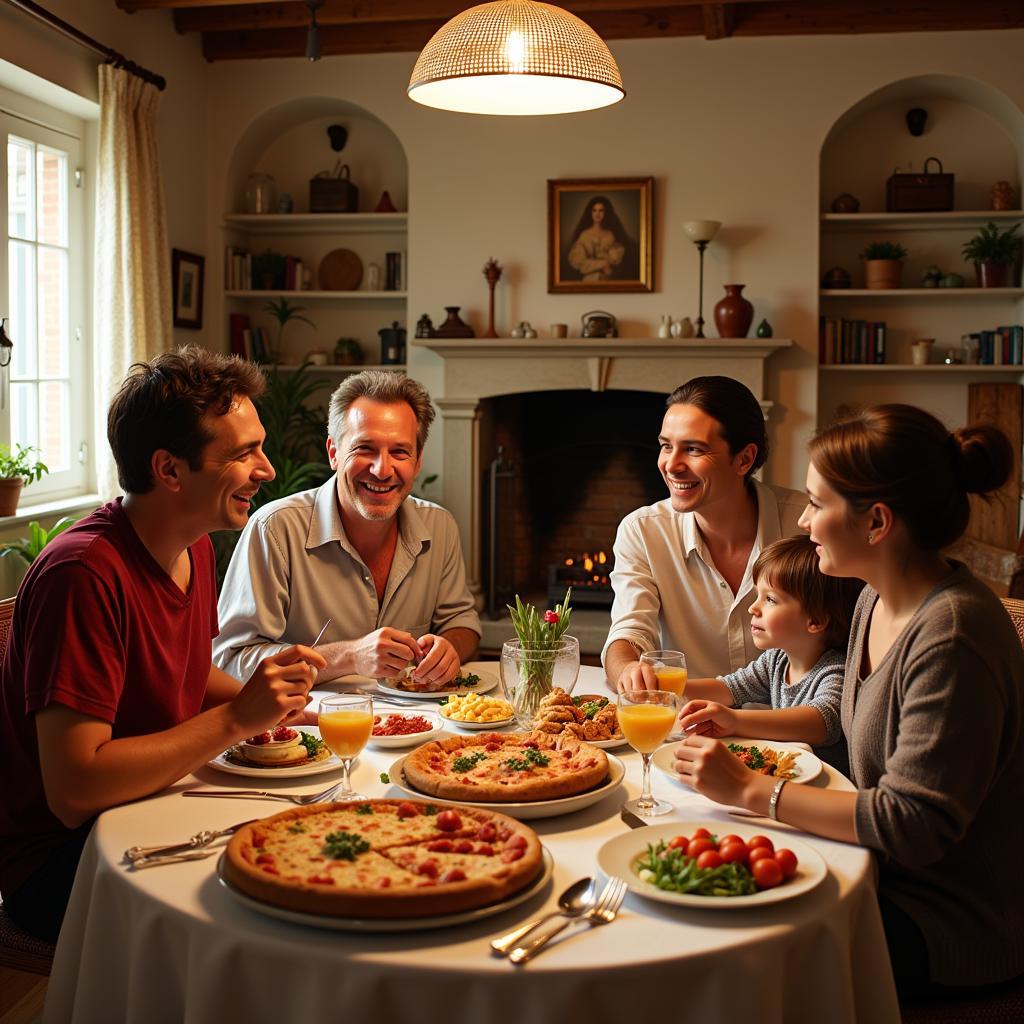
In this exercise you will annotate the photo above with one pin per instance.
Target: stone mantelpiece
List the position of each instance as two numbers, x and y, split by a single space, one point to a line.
478 368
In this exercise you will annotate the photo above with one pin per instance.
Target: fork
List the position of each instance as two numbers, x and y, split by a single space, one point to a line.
292 798
604 912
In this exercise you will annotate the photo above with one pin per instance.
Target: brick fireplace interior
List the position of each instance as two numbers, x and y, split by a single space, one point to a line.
572 464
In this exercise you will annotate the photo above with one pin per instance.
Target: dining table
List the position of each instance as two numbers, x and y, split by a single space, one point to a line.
175 944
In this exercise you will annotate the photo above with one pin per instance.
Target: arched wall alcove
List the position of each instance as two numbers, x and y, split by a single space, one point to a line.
290 142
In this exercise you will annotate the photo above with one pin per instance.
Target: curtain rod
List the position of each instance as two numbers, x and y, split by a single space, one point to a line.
112 56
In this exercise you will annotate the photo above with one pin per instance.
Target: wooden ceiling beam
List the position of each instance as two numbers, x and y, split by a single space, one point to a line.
718 20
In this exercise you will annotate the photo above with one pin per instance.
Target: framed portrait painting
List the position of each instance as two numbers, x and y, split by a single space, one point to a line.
600 235
187 288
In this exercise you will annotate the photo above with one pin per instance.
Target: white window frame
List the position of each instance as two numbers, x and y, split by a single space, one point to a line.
50 128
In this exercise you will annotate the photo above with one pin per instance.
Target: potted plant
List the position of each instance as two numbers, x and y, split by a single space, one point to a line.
347 352
29 548
17 468
283 312
883 265
994 254
268 270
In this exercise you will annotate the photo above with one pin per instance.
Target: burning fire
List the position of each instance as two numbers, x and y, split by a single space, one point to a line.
588 563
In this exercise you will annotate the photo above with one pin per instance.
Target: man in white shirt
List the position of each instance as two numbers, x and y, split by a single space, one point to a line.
386 568
682 566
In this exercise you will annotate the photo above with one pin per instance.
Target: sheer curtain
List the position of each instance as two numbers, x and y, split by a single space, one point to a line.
131 273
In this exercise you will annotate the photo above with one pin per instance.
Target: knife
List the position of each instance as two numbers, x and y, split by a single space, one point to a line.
631 819
200 839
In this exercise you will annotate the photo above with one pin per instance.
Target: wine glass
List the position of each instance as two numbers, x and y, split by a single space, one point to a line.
346 721
669 667
646 718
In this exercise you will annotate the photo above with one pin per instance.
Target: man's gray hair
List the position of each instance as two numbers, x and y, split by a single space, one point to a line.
381 386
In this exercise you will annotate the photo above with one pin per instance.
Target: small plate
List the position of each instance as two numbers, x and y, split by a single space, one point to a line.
528 809
404 924
476 726
618 856
295 771
808 766
488 681
615 741
413 739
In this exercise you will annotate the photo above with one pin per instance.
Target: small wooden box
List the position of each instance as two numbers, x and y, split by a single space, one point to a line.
333 195
919 193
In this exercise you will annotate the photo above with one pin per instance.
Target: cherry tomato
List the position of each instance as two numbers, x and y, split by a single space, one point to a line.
767 873
698 846
762 841
678 843
734 853
701 833
709 859
449 821
731 838
787 861
759 853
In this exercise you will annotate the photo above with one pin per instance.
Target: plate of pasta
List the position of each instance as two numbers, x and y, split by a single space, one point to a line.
781 760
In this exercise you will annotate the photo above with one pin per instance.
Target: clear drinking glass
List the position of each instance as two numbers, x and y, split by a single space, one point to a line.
529 672
646 718
346 721
669 667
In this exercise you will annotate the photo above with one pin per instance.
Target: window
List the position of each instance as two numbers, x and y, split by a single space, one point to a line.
45 391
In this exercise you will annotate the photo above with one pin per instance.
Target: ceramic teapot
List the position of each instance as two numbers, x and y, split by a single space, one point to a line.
598 324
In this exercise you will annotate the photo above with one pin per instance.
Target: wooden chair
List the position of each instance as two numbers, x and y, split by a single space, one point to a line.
1004 1004
19 950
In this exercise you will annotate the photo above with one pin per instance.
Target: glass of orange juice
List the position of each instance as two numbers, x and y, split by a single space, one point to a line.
646 718
346 721
669 667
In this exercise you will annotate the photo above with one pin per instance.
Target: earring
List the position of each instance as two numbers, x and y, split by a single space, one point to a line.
871 538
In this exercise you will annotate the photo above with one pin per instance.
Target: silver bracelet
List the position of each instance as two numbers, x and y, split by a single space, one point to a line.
773 803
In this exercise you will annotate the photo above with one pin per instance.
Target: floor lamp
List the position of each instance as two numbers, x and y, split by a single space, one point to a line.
700 232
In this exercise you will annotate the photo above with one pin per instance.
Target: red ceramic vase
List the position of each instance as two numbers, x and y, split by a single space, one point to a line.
733 314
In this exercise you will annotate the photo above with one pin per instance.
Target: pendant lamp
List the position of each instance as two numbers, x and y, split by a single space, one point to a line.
516 57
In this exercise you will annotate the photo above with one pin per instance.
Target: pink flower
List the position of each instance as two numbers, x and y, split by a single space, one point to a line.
551 617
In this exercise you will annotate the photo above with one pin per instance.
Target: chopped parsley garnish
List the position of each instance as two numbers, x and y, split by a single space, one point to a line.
385 778
524 764
364 809
311 743
468 679
297 828
429 809
344 846
756 761
589 708
467 764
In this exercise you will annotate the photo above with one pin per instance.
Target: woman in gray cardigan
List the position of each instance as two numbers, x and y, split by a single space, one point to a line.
932 703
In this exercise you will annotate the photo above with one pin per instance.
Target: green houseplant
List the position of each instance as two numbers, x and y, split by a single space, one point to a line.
268 269
994 254
29 548
284 313
17 468
883 265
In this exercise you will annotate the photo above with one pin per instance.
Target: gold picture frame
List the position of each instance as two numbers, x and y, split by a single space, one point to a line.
600 235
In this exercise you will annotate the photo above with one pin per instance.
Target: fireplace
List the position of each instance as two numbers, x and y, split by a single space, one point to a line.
567 466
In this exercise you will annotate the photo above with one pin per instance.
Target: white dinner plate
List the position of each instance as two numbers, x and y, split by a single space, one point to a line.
403 924
488 681
528 809
477 726
615 741
619 855
807 765
295 771
412 739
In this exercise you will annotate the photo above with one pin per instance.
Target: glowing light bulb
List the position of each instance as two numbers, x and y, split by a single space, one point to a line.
515 51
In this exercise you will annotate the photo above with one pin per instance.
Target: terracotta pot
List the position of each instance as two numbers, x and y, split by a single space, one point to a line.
733 314
882 274
10 493
993 275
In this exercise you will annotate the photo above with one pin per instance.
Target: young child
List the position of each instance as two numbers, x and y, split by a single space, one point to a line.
801 621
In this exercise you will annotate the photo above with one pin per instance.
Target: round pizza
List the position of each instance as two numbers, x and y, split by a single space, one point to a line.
506 767
382 859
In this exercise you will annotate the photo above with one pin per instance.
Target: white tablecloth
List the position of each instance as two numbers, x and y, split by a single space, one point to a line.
171 944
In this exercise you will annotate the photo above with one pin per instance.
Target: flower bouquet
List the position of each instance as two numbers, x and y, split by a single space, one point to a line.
539 659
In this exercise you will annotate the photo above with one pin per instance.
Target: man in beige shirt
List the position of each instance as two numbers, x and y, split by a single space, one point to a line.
682 566
386 568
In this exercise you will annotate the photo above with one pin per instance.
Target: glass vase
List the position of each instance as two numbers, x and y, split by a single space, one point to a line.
529 672
260 193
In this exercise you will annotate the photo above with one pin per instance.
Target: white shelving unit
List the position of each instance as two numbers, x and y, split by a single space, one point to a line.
342 371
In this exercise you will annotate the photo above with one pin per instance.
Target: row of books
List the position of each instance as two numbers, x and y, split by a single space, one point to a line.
1002 347
289 274
850 341
394 271
247 341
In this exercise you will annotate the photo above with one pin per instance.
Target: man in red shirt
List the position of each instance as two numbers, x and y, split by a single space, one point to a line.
107 688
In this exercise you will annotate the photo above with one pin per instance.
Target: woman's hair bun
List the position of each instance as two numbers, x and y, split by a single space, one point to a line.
982 457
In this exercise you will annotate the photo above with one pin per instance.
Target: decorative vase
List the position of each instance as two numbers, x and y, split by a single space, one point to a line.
764 329
686 328
1004 196
260 193
530 672
453 327
880 275
733 314
845 203
993 275
10 493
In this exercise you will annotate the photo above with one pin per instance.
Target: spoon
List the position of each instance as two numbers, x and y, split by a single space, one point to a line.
574 902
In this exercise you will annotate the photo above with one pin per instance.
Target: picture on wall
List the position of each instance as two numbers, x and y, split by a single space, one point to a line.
187 288
599 235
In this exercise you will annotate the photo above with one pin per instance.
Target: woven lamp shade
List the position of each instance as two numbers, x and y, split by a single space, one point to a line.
516 57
